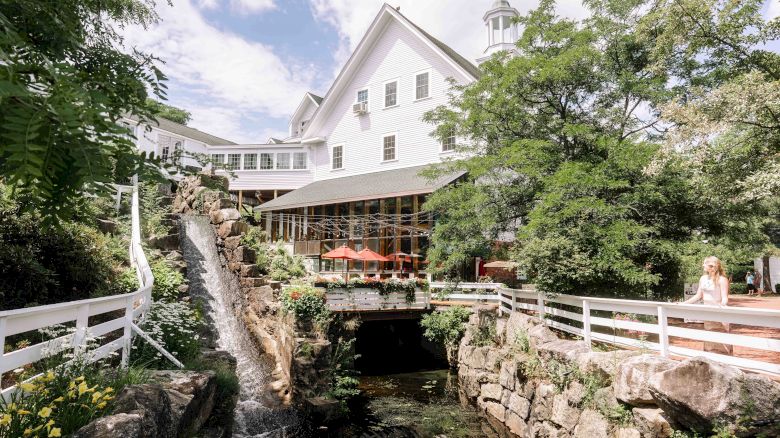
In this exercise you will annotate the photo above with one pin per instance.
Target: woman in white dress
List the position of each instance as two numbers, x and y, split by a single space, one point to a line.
713 290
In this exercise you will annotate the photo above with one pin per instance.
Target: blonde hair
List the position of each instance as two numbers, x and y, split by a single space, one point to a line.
720 269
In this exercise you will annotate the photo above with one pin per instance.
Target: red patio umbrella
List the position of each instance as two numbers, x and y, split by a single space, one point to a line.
371 256
343 252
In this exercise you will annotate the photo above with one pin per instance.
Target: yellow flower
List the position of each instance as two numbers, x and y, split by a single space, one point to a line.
44 412
82 388
50 376
49 423
27 387
79 379
59 399
12 407
28 432
109 390
71 385
5 420
23 412
96 396
101 405
55 432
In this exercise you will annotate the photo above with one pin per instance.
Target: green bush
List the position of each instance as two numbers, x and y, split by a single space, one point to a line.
285 266
305 302
166 281
173 325
446 328
257 240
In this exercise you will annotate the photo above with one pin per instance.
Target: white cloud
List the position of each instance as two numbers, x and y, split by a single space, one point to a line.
773 9
457 23
221 66
245 7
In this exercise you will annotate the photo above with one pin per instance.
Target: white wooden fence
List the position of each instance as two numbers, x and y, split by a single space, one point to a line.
587 317
366 299
133 304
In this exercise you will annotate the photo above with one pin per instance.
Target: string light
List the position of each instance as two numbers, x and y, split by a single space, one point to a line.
357 226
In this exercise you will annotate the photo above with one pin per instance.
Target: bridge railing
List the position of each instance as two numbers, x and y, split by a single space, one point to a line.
595 319
361 299
134 305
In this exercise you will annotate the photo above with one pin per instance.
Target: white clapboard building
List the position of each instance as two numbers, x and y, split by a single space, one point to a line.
348 173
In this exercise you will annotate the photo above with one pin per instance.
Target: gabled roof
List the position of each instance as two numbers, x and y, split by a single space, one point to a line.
184 131
468 70
399 182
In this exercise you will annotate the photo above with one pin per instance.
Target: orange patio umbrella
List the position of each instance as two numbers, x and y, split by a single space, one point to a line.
371 256
343 252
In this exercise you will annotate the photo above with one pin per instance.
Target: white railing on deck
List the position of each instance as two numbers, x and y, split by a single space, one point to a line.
439 285
581 313
134 304
364 299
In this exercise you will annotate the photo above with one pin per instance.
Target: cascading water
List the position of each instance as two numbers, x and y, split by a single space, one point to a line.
220 291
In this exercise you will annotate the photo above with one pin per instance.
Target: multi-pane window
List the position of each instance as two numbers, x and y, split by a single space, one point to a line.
338 157
266 161
218 159
250 161
299 160
388 148
421 83
283 161
362 96
177 151
234 161
391 94
165 146
448 143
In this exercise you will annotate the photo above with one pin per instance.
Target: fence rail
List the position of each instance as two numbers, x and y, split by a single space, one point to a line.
593 319
134 305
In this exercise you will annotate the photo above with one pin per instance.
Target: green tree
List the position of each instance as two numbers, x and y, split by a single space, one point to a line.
169 112
563 142
64 85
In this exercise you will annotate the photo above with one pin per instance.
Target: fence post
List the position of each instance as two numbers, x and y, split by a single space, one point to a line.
586 321
663 333
514 300
127 337
540 305
2 342
80 337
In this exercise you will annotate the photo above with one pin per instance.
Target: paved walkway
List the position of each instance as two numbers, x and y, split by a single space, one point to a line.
765 302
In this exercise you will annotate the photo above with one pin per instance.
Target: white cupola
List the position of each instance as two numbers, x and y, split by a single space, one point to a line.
502 31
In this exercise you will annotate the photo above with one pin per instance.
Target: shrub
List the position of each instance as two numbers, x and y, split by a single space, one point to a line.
305 302
166 281
484 335
446 328
173 325
285 266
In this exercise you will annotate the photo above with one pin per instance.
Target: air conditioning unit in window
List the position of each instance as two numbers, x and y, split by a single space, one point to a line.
360 108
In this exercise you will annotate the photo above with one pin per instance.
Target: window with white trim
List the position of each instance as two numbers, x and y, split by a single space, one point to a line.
300 160
234 161
165 146
448 142
421 81
250 161
338 157
388 147
266 161
218 159
362 96
283 160
391 94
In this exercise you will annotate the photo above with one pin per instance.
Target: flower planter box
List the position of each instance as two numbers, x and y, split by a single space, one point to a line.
363 298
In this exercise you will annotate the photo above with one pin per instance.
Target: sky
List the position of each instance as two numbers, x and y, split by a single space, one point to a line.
241 67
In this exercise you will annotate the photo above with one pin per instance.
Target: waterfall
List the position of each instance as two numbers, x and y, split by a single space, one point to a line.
220 291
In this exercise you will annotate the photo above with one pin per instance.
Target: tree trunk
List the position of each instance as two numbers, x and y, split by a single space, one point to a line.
766 277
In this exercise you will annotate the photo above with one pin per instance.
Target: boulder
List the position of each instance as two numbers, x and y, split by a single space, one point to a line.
633 377
541 335
541 406
191 395
165 243
652 423
563 413
323 411
249 270
491 391
701 394
603 365
562 350
515 424
245 254
518 324
508 374
107 226
222 204
253 282
495 410
225 214
140 411
519 405
232 228
627 432
591 425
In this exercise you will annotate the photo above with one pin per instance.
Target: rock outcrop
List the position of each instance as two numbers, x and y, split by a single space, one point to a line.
176 404
529 383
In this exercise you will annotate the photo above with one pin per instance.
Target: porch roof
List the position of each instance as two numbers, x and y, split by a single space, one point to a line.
385 184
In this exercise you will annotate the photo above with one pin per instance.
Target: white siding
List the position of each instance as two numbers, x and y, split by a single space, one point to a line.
397 54
147 141
266 179
308 108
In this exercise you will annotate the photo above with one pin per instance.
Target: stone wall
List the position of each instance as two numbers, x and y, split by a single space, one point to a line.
527 382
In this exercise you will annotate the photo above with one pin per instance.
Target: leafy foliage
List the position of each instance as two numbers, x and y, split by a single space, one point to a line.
285 266
64 86
169 112
446 328
564 146
305 302
166 281
173 325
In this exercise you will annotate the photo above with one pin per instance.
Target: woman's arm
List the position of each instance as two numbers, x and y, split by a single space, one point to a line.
724 291
696 298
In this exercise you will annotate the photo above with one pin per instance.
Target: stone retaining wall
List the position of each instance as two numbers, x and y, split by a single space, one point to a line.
527 382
